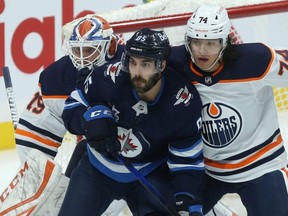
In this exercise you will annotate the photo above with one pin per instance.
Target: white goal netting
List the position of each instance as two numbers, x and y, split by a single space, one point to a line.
175 13
252 20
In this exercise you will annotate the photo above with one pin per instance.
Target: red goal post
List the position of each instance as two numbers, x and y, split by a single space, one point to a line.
133 18
169 13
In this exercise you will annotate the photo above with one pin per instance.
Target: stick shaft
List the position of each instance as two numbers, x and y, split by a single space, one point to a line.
156 194
10 95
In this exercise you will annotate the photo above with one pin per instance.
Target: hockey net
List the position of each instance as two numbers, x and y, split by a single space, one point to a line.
172 15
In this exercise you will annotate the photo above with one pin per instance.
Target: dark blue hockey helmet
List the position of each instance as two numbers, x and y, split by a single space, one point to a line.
147 43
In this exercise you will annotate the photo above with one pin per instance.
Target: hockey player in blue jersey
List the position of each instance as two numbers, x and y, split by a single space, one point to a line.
149 113
243 147
91 44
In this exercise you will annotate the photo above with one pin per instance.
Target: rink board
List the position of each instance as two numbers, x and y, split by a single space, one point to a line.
7 139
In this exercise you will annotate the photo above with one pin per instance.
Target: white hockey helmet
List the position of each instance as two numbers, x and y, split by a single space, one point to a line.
209 22
94 33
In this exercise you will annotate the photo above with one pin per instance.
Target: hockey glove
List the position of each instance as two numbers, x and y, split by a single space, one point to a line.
101 130
187 206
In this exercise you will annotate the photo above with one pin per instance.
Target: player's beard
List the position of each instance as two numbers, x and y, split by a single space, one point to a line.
137 83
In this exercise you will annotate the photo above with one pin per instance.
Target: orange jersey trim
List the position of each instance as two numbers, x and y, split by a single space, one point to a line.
255 78
54 97
36 137
247 161
285 171
193 70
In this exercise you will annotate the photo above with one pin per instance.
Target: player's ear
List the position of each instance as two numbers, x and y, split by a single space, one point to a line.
163 65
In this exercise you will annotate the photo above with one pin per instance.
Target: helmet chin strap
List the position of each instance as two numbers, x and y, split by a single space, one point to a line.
157 77
212 65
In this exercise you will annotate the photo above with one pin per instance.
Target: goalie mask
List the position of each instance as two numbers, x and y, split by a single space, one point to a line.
92 42
208 22
147 43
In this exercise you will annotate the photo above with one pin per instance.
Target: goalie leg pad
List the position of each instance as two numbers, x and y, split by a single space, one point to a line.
37 189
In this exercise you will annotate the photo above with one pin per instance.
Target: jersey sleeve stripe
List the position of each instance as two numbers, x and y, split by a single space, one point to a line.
38 138
55 96
25 124
246 161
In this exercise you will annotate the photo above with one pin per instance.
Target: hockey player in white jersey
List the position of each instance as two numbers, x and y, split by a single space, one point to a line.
244 151
92 44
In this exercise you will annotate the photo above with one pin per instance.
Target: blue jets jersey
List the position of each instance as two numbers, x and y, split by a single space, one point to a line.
240 125
150 133
40 125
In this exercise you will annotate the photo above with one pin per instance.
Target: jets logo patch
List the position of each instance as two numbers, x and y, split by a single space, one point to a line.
113 70
133 143
183 96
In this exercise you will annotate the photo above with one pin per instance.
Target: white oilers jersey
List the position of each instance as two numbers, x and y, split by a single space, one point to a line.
40 125
38 128
240 125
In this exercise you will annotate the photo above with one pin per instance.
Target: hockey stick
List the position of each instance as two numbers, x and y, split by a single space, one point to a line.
10 95
45 189
156 194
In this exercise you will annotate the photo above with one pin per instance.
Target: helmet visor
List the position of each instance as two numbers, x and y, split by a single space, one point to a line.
149 64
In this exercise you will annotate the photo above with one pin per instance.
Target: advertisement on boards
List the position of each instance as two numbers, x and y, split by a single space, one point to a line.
30 39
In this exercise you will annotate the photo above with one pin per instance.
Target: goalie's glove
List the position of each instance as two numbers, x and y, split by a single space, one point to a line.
187 206
101 130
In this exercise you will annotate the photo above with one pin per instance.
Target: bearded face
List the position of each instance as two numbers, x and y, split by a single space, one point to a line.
142 85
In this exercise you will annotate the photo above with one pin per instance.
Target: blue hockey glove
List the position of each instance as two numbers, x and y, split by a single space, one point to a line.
101 130
187 206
